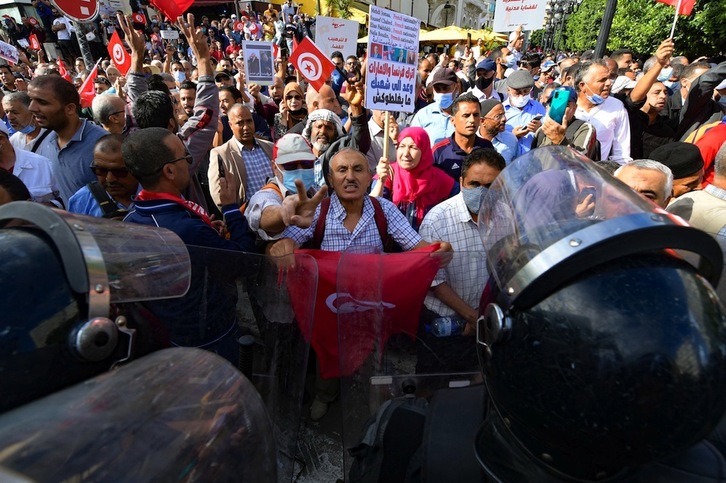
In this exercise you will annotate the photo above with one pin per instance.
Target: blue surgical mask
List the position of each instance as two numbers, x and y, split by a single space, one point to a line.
27 129
594 98
473 198
444 99
665 74
179 76
306 175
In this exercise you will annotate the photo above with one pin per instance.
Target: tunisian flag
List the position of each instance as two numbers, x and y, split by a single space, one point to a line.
87 90
371 296
685 8
34 42
62 70
312 64
120 58
172 8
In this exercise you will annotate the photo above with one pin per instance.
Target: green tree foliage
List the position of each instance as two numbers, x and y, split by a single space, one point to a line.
642 24
536 38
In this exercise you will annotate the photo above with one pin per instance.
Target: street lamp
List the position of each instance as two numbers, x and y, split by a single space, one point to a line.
447 8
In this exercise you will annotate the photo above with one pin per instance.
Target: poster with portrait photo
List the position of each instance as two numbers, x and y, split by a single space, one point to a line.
259 62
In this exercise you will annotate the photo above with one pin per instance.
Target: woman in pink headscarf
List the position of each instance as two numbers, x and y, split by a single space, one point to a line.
413 183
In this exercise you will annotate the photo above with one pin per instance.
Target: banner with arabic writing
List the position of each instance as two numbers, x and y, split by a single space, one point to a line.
333 34
392 60
509 14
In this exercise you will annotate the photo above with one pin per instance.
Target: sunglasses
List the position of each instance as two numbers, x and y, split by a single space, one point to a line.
298 165
103 172
297 98
188 157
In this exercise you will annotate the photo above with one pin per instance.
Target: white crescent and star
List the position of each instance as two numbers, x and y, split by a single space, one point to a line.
311 65
119 55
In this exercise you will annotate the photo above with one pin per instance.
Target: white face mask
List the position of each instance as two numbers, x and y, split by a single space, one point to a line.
519 101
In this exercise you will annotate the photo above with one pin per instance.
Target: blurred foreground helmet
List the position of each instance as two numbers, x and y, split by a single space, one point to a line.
603 349
65 280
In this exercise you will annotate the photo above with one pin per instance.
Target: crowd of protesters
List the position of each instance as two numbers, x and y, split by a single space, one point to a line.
276 151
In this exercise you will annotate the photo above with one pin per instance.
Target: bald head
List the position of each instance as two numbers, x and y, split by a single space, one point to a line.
326 99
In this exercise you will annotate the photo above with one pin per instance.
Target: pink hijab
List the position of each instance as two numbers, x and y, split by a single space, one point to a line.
425 185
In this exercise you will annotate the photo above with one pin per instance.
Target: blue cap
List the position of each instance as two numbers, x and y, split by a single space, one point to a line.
487 64
547 65
571 90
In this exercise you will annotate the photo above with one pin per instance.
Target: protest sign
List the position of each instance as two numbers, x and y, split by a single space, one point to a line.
392 60
333 34
259 62
8 52
510 14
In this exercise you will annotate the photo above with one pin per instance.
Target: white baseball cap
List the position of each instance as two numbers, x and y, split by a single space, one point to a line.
292 148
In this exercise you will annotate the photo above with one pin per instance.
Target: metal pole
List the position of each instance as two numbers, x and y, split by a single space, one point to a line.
607 22
83 45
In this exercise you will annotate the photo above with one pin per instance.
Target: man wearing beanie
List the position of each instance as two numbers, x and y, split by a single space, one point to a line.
686 163
706 209
493 128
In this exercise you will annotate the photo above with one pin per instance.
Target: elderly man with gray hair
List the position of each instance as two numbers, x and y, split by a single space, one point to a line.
109 110
324 131
650 179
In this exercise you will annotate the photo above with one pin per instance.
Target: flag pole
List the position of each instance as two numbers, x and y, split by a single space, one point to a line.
675 19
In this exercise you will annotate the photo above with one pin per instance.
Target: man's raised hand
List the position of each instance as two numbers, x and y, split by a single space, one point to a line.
299 209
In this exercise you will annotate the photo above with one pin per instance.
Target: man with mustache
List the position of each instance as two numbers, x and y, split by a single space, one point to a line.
324 131
350 221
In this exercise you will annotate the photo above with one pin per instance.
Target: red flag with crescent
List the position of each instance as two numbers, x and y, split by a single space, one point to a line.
34 42
312 64
399 309
120 58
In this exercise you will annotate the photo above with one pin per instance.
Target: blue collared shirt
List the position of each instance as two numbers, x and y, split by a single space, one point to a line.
84 203
437 124
507 145
521 117
71 165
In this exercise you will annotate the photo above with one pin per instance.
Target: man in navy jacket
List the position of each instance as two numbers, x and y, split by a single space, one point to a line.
205 316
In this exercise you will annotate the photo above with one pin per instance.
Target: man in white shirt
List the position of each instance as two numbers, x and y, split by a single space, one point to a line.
63 28
34 171
376 126
607 114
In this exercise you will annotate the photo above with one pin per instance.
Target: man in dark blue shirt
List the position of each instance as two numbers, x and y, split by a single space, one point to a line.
449 153
205 316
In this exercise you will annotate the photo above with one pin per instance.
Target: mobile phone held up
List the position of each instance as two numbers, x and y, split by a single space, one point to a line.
558 105
220 165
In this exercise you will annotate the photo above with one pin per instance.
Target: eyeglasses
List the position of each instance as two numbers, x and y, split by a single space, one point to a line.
498 117
117 112
103 172
188 157
297 98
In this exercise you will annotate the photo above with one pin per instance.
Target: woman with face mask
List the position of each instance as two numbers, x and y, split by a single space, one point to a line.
413 183
292 110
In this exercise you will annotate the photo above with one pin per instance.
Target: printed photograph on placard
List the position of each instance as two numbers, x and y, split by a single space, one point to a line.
259 62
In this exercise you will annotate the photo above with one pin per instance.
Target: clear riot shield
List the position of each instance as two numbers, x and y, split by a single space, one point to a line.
263 313
179 414
378 302
553 214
